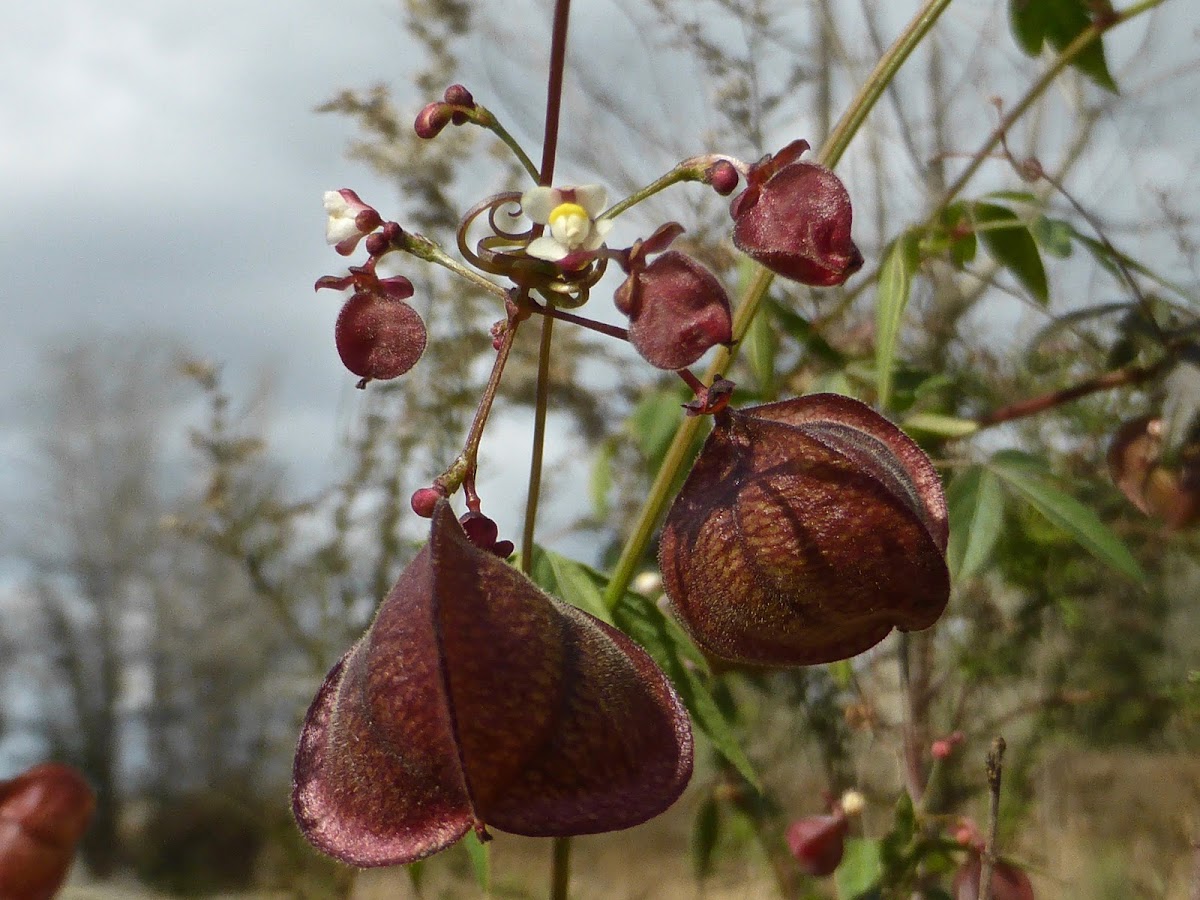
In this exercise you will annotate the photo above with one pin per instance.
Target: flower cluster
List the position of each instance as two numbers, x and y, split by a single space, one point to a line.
807 530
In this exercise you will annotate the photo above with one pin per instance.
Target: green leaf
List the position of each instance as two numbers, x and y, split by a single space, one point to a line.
895 286
976 506
706 830
1058 22
940 425
571 581
481 861
653 422
1010 244
758 347
600 483
1066 513
1053 235
858 875
800 329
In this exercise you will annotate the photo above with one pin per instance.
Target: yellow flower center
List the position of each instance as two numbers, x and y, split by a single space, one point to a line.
569 223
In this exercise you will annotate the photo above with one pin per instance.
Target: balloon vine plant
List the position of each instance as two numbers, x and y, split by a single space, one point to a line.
806 531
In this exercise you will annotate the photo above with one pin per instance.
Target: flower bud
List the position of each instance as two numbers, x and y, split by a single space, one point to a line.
378 336
805 532
348 220
794 218
483 533
677 308
457 95
44 812
424 501
818 842
1008 881
475 699
432 119
723 177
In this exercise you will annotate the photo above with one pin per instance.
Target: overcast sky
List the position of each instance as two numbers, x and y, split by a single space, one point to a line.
162 170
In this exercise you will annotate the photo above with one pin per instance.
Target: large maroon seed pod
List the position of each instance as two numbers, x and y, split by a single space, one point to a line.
378 337
797 224
677 310
476 699
806 531
44 812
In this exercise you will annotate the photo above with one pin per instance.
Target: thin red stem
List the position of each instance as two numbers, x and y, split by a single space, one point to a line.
615 331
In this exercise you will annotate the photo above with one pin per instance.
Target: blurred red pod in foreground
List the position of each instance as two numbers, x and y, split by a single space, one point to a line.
1008 882
476 700
44 812
818 842
806 531
1168 493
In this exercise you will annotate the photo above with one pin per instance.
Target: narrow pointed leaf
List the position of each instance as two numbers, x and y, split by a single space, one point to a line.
895 286
481 862
1067 513
976 517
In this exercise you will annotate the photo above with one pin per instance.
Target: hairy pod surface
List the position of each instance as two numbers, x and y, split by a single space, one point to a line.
44 812
805 532
795 221
379 337
677 310
476 699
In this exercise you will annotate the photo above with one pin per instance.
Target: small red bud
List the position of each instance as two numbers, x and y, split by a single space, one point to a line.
424 500
457 95
943 747
818 842
722 177
432 119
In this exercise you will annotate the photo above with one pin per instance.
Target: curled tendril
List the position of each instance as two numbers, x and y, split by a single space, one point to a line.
502 252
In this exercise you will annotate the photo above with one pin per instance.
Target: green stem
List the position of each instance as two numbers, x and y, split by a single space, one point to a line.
423 248
541 404
685 434
487 119
877 82
692 169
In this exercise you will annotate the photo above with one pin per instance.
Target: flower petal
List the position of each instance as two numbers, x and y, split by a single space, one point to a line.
592 197
539 202
546 248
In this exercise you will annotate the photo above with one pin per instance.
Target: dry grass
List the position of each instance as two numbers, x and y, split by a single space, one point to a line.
1108 826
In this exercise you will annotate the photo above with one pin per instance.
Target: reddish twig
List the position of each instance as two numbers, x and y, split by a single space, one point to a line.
1130 375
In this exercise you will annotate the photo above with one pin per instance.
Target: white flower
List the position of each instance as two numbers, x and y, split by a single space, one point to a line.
570 214
349 220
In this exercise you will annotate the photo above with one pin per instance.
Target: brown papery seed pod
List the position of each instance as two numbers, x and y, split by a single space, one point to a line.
476 700
806 531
